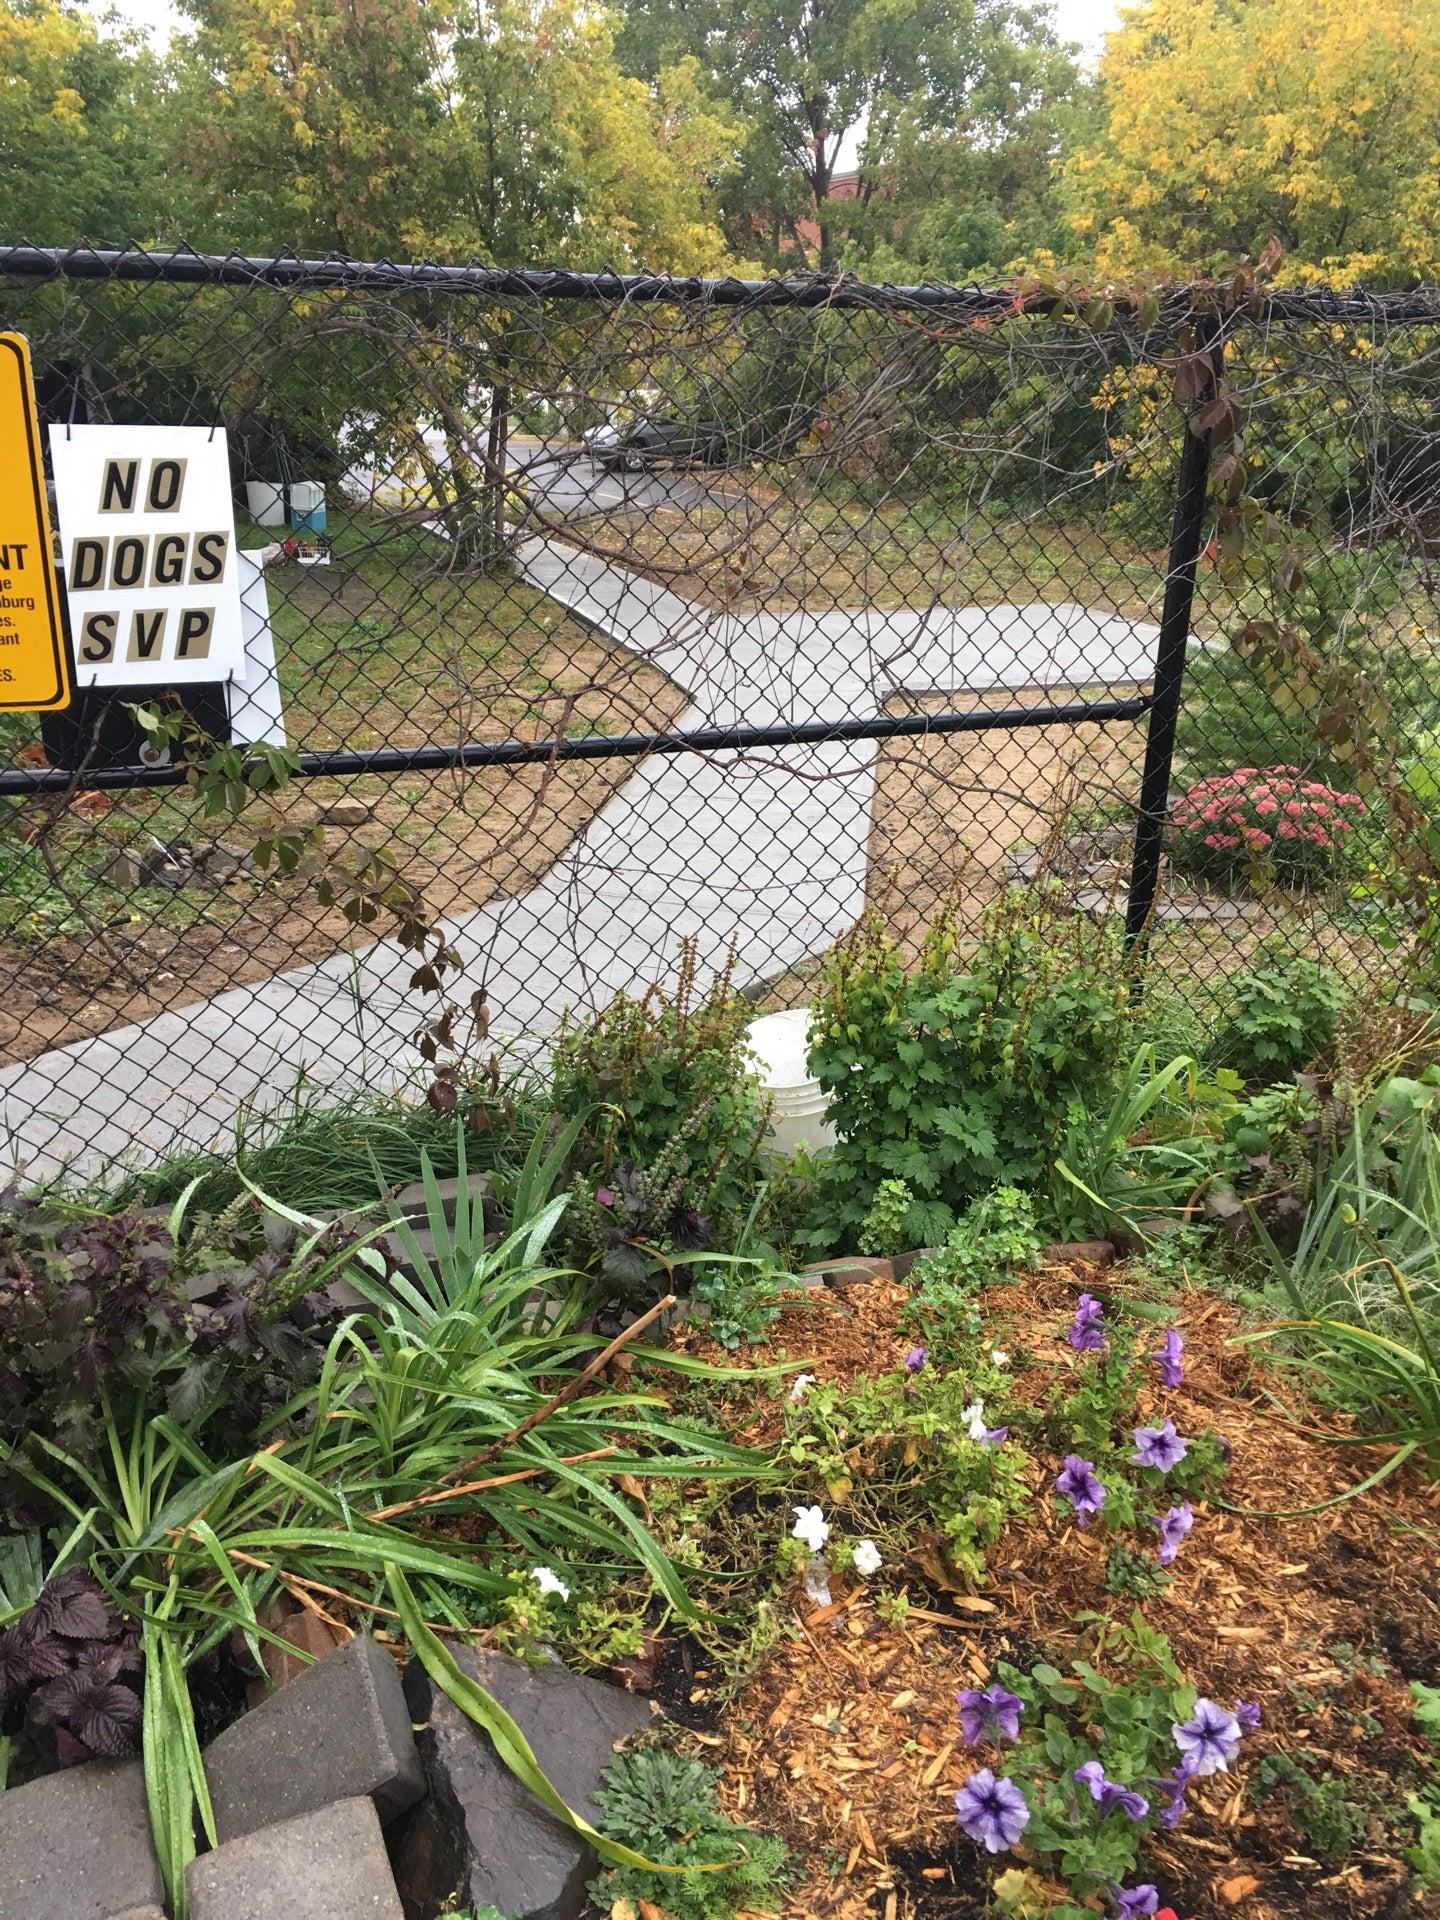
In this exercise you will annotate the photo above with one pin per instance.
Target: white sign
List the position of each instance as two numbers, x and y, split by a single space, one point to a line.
254 695
147 529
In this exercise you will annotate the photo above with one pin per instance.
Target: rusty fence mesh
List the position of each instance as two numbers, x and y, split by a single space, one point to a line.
604 621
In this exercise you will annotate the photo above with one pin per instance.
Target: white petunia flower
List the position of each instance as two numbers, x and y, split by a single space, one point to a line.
811 1526
548 1581
974 1418
999 1356
866 1558
802 1385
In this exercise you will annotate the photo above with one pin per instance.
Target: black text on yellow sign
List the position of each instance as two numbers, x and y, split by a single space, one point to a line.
34 673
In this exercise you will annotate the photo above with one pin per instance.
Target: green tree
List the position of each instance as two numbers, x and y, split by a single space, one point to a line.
554 156
1228 122
77 107
959 201
809 77
311 125
497 130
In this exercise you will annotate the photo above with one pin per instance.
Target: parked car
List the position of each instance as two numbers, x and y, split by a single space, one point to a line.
648 442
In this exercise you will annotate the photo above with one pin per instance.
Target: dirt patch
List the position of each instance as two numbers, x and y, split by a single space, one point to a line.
951 807
461 837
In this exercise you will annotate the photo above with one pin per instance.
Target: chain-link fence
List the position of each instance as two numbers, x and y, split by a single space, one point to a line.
601 619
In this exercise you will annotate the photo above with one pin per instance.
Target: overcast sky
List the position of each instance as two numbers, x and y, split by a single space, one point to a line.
1087 21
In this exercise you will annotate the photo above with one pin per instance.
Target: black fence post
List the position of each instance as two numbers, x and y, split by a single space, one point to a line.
1186 529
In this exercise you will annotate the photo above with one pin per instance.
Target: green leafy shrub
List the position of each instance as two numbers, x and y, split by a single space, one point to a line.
1238 714
996 1235
1424 1856
1231 718
883 1231
902 1455
672 1119
1323 1814
743 1301
956 1076
1284 1015
665 1807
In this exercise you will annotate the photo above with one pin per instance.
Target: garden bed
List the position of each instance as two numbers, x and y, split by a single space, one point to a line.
846 1741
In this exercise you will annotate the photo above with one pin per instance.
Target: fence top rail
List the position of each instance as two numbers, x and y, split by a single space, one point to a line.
184 266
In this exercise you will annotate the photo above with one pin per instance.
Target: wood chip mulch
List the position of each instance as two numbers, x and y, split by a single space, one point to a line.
846 1740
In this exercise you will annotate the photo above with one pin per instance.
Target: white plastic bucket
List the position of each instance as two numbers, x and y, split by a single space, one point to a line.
265 503
778 1042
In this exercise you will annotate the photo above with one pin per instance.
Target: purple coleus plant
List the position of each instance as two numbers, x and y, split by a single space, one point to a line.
68 1662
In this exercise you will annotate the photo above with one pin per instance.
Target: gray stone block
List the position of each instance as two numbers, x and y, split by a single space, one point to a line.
412 1204
341 1729
480 1836
326 1865
76 1845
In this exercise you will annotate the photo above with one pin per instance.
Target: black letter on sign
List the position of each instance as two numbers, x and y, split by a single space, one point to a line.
87 564
97 638
147 630
127 563
196 626
167 477
208 561
168 566
117 486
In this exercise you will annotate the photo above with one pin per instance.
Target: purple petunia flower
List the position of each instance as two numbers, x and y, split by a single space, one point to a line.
1167 1358
1087 1330
1076 1480
994 1436
1131 1902
993 1812
991 1715
1248 1714
1177 1782
1173 1526
1209 1740
1159 1447
1109 1795
915 1359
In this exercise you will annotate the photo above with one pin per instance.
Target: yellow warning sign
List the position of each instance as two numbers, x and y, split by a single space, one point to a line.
34 671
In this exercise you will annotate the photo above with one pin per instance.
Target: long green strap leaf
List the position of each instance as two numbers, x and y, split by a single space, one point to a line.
510 1743
167 1774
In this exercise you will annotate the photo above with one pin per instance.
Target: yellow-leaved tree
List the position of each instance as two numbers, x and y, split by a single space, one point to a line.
1222 123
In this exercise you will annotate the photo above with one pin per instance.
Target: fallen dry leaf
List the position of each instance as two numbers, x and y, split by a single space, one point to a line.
1232 1892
